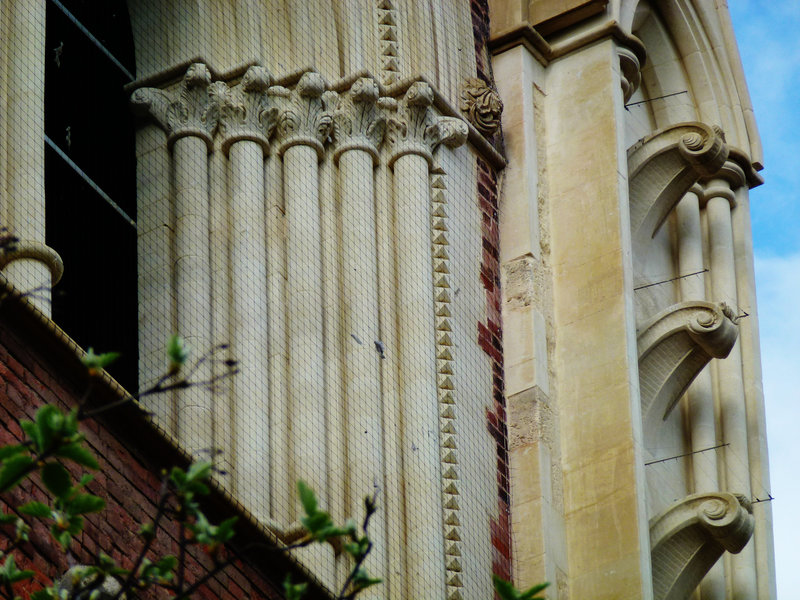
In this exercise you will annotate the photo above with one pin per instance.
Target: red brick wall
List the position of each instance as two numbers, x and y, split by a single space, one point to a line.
129 479
490 338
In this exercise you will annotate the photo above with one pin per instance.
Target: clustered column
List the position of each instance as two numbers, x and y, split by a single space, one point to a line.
720 200
414 132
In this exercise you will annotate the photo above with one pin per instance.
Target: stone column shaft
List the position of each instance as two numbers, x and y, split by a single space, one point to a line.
700 395
249 324
304 295
358 131
192 285
247 119
417 375
23 208
189 117
413 135
733 418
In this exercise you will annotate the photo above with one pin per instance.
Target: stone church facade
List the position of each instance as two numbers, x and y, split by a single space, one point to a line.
490 260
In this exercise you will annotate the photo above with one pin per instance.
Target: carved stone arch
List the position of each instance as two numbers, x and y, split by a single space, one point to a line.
688 538
673 348
689 49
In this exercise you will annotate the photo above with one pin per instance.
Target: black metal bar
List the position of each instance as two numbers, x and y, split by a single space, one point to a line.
93 39
89 181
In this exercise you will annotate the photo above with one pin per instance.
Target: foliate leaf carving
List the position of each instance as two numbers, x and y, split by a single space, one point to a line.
417 129
357 121
247 111
482 105
191 110
306 114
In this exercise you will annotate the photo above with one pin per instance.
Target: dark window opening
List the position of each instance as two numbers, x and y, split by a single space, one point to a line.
90 172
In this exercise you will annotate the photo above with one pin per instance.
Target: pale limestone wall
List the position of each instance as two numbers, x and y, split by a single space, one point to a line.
685 50
327 225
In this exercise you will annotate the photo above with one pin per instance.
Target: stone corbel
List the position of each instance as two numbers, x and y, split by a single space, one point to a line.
246 111
191 110
673 348
358 123
416 129
688 538
662 168
306 113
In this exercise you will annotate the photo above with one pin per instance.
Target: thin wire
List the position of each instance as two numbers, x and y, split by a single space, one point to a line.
657 98
641 287
653 462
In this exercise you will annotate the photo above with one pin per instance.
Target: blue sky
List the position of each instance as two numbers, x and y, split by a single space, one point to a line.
769 43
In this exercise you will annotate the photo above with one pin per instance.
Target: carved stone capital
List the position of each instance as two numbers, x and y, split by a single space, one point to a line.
191 110
482 106
247 111
722 185
306 113
690 536
358 124
416 129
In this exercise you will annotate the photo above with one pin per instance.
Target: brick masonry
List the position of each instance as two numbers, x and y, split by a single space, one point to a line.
133 456
490 338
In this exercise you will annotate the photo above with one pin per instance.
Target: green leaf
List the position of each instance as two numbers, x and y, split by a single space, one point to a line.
86 503
36 509
98 361
8 519
49 421
177 353
167 563
9 572
307 497
63 538
45 594
78 454
507 591
361 580
147 531
14 470
199 471
57 479
293 591
532 593
32 431
7 452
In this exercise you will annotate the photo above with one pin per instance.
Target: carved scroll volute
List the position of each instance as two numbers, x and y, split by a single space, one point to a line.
691 535
416 129
481 105
247 111
358 123
306 113
191 110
